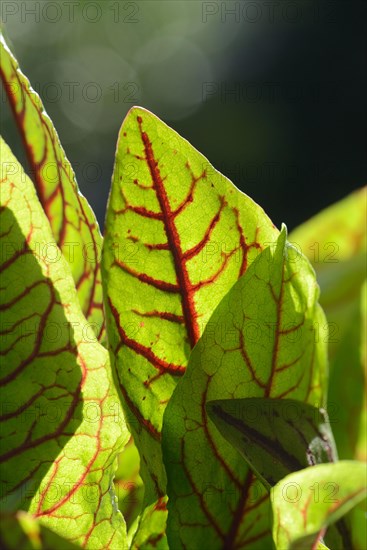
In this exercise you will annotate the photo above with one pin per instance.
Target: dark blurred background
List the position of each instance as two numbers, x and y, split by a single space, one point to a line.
272 92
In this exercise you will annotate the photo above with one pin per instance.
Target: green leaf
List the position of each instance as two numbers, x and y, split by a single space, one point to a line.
305 503
275 436
151 530
259 342
335 236
73 223
178 235
61 424
22 530
335 243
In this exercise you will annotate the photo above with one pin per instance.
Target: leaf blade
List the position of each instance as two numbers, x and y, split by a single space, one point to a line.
301 518
275 436
61 426
224 366
72 220
162 253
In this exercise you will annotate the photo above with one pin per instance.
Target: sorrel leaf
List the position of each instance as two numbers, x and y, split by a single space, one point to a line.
305 503
335 242
151 530
72 220
178 235
275 436
259 342
61 422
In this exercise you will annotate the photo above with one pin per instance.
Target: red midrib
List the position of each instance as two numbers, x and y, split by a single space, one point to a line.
40 188
230 539
187 291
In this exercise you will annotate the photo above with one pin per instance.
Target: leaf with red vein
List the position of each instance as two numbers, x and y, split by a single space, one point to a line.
275 436
61 422
151 530
178 236
73 223
278 437
305 503
214 499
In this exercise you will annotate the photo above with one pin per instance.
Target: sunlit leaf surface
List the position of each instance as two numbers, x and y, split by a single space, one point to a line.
73 223
259 342
307 502
61 423
178 236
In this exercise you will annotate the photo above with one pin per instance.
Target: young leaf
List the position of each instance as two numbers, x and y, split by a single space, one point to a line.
151 530
278 437
305 503
335 242
259 342
275 436
61 430
178 235
73 223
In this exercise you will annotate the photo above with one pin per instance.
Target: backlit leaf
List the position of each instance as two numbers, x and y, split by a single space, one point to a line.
259 342
74 225
178 235
61 424
151 530
305 503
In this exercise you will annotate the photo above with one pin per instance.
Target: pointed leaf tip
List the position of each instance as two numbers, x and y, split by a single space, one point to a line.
73 222
178 235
